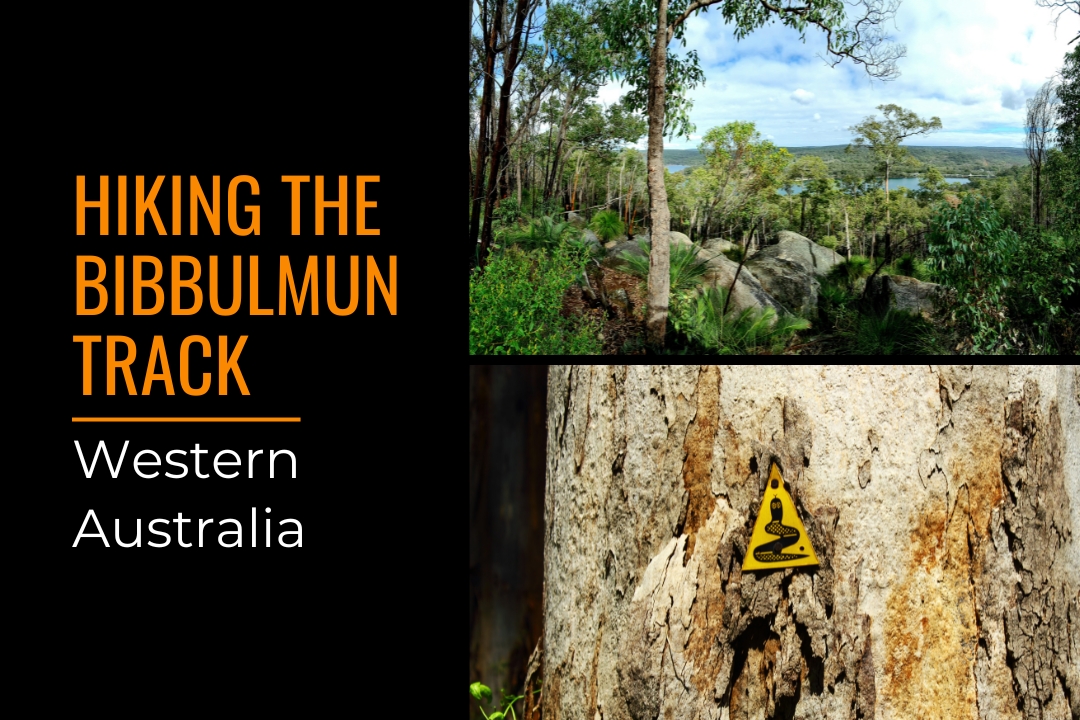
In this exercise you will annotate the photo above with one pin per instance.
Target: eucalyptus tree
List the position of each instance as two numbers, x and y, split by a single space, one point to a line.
745 167
883 137
499 38
638 33
1040 122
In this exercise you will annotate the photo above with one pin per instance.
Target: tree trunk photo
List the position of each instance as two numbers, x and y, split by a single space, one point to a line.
941 504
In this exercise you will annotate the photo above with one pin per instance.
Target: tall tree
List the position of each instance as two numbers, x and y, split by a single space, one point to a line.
1040 123
638 33
883 137
940 502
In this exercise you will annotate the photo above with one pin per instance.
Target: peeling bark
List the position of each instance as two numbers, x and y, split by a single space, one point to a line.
941 503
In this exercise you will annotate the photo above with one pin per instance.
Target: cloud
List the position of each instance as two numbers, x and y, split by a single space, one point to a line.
960 66
817 117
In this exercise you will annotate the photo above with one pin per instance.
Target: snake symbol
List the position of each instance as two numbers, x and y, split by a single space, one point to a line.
772 550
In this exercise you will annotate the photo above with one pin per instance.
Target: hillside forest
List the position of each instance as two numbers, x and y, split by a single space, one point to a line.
582 243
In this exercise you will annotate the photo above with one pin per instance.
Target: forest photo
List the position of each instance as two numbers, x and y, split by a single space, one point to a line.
820 177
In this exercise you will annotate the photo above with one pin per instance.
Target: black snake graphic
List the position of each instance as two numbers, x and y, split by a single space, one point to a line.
771 551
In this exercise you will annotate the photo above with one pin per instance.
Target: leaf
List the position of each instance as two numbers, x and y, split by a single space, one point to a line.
495 716
480 692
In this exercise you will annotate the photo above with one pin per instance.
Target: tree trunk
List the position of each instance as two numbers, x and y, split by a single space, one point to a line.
802 216
498 154
887 216
943 504
847 232
659 216
506 534
482 127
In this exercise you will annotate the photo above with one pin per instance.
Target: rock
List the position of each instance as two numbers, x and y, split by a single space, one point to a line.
803 250
614 254
717 245
614 251
574 219
905 293
787 281
610 244
589 237
789 270
748 292
676 238
621 300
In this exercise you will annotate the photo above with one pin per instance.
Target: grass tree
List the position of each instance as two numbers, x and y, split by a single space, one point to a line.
638 33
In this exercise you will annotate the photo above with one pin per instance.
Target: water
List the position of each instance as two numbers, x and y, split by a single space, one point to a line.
894 183
674 168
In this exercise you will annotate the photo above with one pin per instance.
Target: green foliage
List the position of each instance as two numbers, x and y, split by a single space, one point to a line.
607 225
481 693
946 161
883 137
971 252
894 332
734 254
829 241
514 305
507 212
850 270
745 167
700 319
908 265
545 233
687 268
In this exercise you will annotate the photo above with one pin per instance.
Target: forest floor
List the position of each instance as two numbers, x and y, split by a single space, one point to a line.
623 328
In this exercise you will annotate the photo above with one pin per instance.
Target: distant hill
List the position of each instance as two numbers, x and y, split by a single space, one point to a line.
954 161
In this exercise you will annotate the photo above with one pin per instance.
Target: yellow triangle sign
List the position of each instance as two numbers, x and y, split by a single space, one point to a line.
779 538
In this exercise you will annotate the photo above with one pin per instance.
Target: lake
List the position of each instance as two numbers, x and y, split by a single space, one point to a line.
909 183
675 168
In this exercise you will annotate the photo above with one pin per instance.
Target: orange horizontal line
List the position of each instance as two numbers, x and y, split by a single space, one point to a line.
185 419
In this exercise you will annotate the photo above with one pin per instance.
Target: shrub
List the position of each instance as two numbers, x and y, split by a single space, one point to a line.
972 252
909 266
699 317
894 332
686 267
850 270
544 233
829 241
607 225
514 305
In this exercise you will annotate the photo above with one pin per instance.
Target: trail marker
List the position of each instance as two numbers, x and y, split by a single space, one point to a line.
779 539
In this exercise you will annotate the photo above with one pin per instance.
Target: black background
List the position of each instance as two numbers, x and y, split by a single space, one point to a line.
374 392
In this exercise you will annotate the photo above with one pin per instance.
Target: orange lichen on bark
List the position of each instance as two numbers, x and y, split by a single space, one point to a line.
698 447
929 626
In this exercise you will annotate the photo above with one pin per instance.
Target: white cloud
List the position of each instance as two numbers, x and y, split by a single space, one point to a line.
971 64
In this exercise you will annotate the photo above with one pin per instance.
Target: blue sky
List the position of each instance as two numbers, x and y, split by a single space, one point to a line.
971 63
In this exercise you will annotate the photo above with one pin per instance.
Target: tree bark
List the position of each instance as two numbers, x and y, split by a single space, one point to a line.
660 217
943 504
506 535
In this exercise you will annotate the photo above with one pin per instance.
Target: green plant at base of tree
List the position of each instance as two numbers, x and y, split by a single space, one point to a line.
829 241
482 693
607 225
686 267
